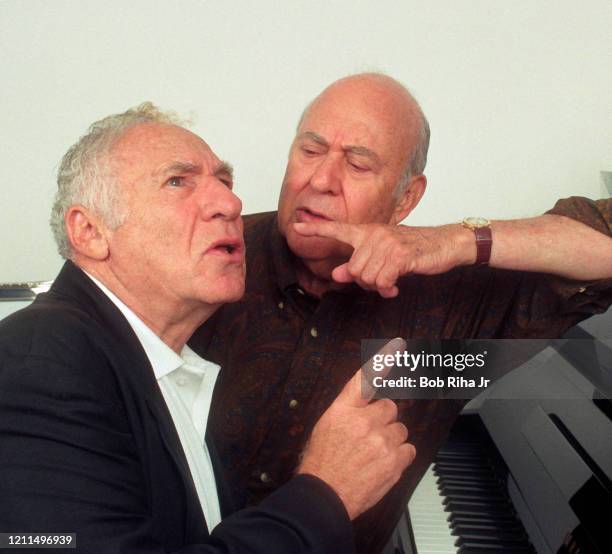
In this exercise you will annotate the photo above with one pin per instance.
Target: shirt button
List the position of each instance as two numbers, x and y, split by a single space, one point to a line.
293 403
181 381
313 332
581 289
264 477
281 305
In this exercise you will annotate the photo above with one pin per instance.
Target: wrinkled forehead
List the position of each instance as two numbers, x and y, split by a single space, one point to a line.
142 150
373 121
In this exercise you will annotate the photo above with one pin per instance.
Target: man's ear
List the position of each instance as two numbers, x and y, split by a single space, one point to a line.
87 233
410 198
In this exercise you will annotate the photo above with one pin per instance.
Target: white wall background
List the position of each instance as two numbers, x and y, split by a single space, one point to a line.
518 94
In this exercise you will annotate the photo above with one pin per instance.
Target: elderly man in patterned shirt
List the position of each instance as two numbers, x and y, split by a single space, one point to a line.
334 266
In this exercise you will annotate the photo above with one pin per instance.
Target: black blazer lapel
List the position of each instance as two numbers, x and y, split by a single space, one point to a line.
136 379
227 500
172 444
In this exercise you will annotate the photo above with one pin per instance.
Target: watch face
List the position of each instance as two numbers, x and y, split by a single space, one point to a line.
477 221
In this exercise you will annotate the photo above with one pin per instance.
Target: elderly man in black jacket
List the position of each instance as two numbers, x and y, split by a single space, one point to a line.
103 408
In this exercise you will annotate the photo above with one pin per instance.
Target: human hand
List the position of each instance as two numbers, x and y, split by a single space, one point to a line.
383 253
358 448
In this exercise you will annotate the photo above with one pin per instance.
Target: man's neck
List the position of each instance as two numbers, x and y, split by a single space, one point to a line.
172 322
315 277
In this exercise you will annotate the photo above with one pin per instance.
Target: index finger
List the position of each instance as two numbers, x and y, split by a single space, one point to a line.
344 232
359 391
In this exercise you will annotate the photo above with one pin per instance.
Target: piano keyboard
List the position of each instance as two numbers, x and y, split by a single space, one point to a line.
462 505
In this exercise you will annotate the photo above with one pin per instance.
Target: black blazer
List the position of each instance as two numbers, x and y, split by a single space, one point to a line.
87 444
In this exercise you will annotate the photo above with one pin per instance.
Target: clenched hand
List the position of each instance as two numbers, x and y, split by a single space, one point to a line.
359 448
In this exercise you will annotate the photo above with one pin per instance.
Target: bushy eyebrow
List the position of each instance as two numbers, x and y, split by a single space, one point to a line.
362 151
314 137
179 167
193 169
350 148
225 167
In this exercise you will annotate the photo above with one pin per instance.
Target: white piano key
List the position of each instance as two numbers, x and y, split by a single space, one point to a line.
432 533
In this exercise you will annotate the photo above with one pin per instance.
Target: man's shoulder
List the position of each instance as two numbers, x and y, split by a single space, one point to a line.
49 314
57 348
52 331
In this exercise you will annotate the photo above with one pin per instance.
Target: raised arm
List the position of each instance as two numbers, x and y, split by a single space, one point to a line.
550 243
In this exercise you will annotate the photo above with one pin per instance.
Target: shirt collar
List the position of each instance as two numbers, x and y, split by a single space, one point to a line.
163 359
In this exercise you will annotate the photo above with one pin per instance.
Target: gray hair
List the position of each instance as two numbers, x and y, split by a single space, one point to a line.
418 157
85 177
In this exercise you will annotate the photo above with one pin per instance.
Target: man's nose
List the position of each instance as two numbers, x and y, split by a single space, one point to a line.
219 201
327 176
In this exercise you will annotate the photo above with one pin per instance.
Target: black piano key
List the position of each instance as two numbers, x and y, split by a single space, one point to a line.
452 485
469 476
468 519
454 461
495 543
462 503
466 472
478 495
462 474
476 479
476 515
506 521
485 523
483 534
485 549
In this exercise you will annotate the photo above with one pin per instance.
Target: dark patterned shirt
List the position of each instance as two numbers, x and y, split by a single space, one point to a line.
286 355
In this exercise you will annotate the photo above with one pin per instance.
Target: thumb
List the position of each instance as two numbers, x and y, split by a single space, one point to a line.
341 274
358 391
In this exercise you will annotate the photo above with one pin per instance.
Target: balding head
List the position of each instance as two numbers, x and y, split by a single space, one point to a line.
395 104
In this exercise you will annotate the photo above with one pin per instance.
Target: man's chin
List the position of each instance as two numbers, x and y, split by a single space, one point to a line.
225 288
227 295
234 289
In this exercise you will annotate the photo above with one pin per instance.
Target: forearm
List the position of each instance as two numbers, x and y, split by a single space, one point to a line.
548 244
575 242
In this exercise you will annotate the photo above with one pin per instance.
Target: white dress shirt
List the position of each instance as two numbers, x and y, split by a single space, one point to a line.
186 383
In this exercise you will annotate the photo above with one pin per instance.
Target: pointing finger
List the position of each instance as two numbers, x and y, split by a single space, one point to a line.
344 232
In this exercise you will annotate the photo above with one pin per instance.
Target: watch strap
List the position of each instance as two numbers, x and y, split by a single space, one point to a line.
484 241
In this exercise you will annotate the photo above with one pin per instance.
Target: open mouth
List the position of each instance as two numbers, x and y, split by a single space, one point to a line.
304 215
227 247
